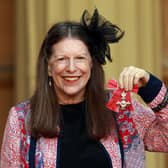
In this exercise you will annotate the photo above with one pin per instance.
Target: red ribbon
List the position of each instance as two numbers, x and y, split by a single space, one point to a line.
116 97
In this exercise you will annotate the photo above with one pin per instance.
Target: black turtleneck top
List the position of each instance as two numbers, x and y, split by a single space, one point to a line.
77 150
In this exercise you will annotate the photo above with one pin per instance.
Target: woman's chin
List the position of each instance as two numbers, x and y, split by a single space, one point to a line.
74 93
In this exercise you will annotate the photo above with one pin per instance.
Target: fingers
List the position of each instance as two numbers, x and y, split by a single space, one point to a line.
126 78
132 75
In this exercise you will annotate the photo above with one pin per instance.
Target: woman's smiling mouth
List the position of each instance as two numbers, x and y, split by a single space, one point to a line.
71 78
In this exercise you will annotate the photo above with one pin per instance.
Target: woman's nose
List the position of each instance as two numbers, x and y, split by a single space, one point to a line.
71 65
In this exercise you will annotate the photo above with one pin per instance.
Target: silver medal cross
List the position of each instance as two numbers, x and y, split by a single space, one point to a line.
123 103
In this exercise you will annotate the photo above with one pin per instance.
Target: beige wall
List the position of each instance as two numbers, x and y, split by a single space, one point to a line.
141 45
6 60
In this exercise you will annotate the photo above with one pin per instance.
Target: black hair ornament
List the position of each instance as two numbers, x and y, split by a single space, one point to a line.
101 32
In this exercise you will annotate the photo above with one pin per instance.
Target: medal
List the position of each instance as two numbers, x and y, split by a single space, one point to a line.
121 99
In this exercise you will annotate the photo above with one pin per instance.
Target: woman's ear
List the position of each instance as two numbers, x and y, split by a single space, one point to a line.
49 69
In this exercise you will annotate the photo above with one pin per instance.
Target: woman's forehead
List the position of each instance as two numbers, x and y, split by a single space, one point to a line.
70 45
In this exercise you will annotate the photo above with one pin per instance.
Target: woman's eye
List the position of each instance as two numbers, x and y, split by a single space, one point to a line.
80 58
61 59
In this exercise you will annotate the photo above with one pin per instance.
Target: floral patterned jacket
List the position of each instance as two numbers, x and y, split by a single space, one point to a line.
140 130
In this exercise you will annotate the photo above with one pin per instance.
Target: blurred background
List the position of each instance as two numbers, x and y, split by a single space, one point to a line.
23 24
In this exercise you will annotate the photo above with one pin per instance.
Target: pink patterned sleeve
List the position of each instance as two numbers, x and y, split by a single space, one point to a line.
10 150
152 126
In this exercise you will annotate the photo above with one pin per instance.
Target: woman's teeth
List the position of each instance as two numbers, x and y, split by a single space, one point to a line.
71 78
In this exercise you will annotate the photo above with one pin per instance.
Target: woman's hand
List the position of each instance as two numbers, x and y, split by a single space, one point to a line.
132 75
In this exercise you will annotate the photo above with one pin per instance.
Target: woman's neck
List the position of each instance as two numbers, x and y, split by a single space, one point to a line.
67 99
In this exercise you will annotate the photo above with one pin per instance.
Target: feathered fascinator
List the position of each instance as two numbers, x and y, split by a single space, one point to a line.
101 32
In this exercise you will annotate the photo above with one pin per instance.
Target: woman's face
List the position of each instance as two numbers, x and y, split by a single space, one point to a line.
70 67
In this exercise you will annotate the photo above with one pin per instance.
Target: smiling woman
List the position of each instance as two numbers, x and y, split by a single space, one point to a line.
70 68
71 121
66 74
